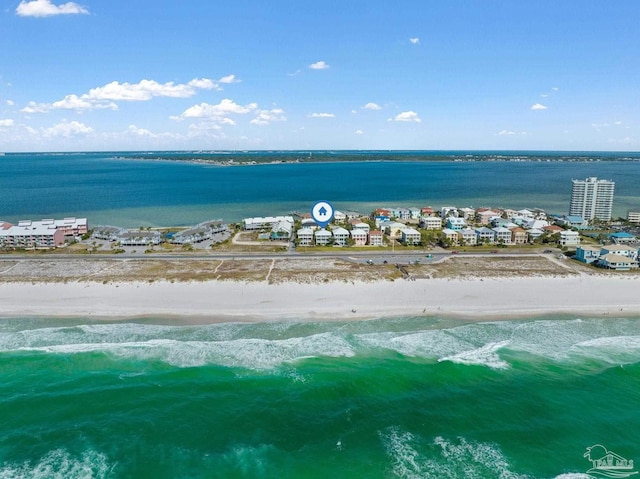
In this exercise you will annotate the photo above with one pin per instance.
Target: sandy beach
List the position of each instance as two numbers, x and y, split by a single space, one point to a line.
216 301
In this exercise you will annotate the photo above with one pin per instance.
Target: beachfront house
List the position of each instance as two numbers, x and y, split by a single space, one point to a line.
454 223
622 237
340 236
305 237
485 235
281 231
414 213
446 211
323 237
360 225
617 262
431 223
359 236
588 254
569 238
451 236
518 235
410 236
108 233
502 235
339 217
534 234
467 213
622 250
484 216
375 238
264 222
467 236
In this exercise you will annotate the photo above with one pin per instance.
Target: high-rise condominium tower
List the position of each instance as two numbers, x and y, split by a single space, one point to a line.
592 198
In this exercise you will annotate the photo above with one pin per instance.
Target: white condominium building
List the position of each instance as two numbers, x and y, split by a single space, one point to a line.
592 198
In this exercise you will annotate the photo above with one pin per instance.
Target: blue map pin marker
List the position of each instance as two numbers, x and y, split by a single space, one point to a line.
322 213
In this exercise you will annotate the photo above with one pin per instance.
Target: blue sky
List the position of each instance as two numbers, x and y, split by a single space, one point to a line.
349 74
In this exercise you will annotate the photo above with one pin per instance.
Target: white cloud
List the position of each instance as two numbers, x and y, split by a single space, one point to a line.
217 113
134 130
105 96
229 79
555 88
321 115
415 40
372 106
406 116
295 73
267 116
538 106
68 129
506 132
359 132
44 8
10 102
321 65
33 107
204 84
617 122
73 102
6 122
142 91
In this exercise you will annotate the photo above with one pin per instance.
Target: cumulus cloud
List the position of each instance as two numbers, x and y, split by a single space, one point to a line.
10 102
68 129
74 102
6 122
217 114
229 79
321 65
44 8
538 106
414 40
359 132
321 115
265 117
134 130
372 106
506 132
406 116
104 96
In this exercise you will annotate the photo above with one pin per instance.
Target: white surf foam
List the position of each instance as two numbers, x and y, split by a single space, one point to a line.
248 353
423 344
60 464
413 458
486 355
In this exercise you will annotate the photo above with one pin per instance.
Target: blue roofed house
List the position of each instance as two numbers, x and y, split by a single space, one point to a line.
622 237
588 254
454 223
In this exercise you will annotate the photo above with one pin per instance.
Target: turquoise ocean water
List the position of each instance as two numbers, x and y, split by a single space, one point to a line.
409 397
386 398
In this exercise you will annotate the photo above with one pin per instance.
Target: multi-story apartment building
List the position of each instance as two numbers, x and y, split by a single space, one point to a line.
592 198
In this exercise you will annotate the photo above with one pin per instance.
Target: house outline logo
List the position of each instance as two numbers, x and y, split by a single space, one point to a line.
607 463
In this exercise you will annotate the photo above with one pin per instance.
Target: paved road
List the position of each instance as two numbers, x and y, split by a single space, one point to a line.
375 257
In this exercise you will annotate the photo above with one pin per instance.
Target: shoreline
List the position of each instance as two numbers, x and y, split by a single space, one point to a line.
209 302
